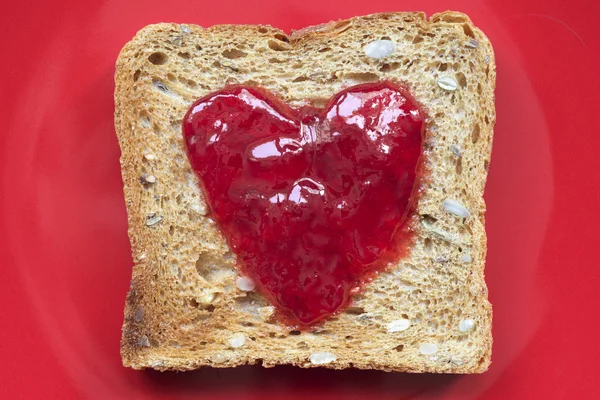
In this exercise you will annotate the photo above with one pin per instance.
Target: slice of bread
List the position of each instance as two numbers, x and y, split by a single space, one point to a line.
428 313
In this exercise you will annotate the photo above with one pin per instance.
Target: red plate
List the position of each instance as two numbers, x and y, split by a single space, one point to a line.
65 257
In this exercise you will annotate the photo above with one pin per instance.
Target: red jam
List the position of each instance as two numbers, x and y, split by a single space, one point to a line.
312 201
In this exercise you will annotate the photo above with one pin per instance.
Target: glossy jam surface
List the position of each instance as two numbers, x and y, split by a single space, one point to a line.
311 200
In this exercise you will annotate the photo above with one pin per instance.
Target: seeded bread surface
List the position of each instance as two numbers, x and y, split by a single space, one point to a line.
184 310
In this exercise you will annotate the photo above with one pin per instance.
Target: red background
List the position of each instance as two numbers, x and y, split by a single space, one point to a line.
65 258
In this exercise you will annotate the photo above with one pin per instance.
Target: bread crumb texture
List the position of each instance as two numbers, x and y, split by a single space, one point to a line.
185 307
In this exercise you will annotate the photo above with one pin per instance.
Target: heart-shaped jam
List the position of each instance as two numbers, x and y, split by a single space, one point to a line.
313 201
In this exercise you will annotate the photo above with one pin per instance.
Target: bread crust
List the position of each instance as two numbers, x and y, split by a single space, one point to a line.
183 307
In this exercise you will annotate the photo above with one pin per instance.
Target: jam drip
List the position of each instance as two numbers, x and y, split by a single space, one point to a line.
312 201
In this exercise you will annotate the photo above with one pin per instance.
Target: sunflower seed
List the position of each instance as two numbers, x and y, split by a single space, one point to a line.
161 86
456 150
245 283
237 340
454 207
447 83
323 357
473 43
153 219
147 179
466 325
143 341
428 348
139 314
379 49
398 325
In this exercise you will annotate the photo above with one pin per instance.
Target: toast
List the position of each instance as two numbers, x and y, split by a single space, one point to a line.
427 313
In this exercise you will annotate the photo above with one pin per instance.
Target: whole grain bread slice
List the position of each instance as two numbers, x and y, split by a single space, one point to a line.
428 313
